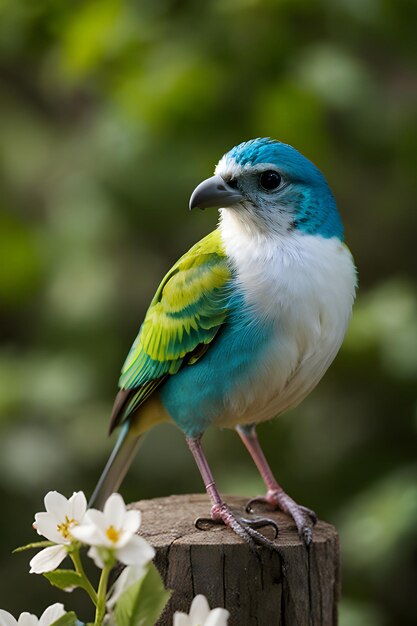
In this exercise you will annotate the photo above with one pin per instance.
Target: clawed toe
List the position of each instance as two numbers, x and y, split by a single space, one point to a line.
261 522
304 518
253 537
306 534
246 529
205 523
311 514
259 500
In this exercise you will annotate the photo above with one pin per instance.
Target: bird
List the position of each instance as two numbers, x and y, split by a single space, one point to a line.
244 325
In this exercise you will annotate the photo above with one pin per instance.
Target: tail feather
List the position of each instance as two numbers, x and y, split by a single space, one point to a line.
116 467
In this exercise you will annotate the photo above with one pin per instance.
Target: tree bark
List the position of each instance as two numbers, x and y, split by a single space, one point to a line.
292 586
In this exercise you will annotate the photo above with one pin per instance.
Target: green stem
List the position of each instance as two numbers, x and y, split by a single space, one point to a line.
101 595
76 559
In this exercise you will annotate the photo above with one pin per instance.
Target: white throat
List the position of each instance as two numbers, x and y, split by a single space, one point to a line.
303 287
290 271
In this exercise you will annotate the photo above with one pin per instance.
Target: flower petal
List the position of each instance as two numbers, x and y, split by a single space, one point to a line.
7 619
27 619
90 532
132 521
51 614
96 518
199 610
56 504
115 510
46 525
47 560
94 554
77 506
217 617
136 552
86 533
122 539
181 619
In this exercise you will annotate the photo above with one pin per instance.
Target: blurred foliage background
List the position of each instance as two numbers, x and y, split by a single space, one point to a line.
110 113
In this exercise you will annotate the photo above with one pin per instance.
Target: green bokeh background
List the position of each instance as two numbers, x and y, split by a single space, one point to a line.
110 113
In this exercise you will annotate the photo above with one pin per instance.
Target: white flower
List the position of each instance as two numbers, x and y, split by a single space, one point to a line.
49 616
56 524
112 531
129 576
200 615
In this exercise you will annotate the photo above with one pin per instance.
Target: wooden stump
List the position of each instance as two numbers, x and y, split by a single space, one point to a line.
294 586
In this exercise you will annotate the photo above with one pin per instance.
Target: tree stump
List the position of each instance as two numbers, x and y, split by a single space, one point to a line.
294 586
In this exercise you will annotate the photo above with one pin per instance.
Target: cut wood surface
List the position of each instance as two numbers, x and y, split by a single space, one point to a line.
293 586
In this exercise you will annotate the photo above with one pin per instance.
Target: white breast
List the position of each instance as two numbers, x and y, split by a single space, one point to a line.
303 286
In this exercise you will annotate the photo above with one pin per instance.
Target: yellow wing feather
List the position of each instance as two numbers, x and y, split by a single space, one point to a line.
184 316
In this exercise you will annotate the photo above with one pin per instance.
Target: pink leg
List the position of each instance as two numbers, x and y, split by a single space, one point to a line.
220 512
304 518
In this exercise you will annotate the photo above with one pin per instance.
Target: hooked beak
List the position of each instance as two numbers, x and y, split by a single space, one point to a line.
214 192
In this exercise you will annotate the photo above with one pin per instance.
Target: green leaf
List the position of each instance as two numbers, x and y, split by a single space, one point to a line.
36 544
65 579
142 603
69 619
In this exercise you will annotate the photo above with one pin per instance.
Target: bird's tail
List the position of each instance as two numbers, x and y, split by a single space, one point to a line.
116 467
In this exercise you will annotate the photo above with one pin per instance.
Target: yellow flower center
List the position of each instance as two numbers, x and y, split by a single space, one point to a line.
64 528
113 534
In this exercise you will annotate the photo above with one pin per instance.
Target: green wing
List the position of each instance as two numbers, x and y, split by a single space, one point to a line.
184 316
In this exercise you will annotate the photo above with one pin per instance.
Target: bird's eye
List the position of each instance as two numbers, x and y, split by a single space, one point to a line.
270 180
232 182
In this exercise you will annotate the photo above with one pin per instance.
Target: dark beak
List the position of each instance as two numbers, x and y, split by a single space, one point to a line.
214 192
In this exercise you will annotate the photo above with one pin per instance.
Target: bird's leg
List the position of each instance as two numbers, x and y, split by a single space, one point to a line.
304 518
220 512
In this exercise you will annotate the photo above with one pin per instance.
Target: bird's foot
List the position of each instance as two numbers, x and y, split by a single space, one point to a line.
303 517
246 529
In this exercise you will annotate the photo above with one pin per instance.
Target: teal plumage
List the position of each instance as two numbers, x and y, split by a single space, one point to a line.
205 388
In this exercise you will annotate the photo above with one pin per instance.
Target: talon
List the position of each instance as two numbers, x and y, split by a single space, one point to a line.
259 538
304 518
307 535
205 523
257 500
261 522
246 529
312 515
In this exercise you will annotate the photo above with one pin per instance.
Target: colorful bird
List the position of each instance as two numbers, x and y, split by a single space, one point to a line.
245 324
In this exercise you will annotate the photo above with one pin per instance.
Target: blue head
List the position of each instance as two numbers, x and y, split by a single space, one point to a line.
278 190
